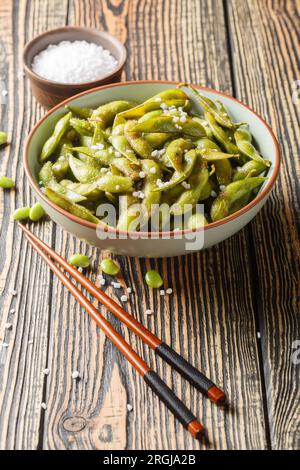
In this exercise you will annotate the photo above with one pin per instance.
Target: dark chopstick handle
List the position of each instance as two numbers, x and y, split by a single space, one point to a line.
175 405
189 372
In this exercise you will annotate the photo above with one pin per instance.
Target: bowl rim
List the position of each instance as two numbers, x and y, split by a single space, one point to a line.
67 86
261 195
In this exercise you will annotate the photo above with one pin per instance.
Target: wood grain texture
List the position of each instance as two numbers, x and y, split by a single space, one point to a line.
271 72
213 315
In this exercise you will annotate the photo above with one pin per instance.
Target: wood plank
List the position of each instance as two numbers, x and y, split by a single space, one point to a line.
22 362
210 318
265 78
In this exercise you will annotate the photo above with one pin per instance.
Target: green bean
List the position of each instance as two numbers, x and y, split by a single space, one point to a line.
83 113
248 149
223 204
65 191
110 267
121 144
220 115
83 127
251 168
196 221
79 260
190 197
137 143
83 172
172 97
52 143
106 113
6 183
36 212
175 151
89 191
46 173
166 124
3 138
153 279
190 159
221 135
69 206
21 213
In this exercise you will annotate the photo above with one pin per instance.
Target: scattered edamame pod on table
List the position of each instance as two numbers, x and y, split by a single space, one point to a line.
153 279
52 143
36 212
110 267
3 138
79 260
6 183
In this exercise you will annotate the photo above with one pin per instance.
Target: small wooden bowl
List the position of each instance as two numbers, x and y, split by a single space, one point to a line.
50 93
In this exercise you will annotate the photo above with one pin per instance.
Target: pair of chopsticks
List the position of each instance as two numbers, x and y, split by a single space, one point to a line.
196 378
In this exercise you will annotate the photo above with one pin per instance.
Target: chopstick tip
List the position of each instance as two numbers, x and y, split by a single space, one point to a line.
196 429
216 395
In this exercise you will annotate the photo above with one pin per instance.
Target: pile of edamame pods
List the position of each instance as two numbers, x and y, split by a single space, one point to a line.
165 150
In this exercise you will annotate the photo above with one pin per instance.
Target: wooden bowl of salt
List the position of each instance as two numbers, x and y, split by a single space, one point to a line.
65 61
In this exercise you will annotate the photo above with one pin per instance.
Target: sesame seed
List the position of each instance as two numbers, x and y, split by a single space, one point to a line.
13 292
169 290
44 406
164 106
129 407
4 92
75 374
117 187
142 174
4 345
129 290
8 326
186 185
46 371
149 312
153 170
213 193
162 292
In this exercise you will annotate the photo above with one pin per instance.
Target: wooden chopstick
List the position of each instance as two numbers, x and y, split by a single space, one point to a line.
189 372
184 415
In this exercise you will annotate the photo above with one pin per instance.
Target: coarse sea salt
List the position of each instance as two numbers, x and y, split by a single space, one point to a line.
73 62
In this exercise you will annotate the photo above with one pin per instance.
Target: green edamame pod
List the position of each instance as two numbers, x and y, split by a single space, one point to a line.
106 113
138 143
36 212
52 143
224 203
82 126
221 135
175 151
196 221
65 191
121 144
6 183
82 171
190 197
73 208
166 124
251 168
84 113
46 173
249 150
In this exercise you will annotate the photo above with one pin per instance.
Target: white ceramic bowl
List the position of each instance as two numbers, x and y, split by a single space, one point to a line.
138 244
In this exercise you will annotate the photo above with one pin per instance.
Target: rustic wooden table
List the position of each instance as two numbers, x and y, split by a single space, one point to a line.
223 297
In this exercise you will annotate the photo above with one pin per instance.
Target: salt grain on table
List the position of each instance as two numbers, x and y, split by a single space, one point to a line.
73 62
